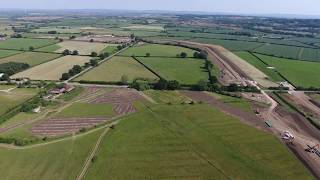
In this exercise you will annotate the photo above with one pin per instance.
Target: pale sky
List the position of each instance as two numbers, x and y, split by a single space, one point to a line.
303 7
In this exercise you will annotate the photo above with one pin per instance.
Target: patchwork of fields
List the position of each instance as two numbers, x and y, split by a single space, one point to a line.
52 70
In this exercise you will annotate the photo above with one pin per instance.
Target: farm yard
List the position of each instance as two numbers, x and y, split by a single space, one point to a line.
47 72
31 58
114 69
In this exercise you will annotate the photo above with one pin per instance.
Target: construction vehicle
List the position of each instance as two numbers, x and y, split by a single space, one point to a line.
314 149
287 136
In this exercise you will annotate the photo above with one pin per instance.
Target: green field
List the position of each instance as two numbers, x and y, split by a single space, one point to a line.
63 30
31 58
230 44
62 160
271 73
115 68
24 43
185 70
300 73
110 49
157 50
6 53
167 97
291 52
15 98
87 110
51 48
191 142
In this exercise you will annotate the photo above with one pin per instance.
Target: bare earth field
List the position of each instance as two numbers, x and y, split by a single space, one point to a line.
52 70
84 48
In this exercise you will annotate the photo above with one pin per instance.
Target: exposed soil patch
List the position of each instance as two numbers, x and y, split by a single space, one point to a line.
64 126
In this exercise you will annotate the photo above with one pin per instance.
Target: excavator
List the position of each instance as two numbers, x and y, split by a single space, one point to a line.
314 149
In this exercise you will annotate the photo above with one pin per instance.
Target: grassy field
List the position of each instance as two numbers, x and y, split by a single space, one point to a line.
24 43
6 53
186 71
271 73
191 142
61 160
87 110
65 30
19 118
51 48
167 97
239 103
110 49
290 52
31 58
54 69
300 73
230 44
115 68
157 50
15 98
147 27
84 48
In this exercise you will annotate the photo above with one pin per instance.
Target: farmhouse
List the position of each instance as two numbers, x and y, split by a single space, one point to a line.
65 89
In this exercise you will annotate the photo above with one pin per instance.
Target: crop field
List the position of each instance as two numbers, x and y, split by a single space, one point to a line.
52 70
178 69
51 48
24 43
157 50
271 73
82 110
62 160
110 49
230 44
14 98
184 148
6 53
63 30
300 73
115 68
147 27
84 48
31 58
167 97
290 52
